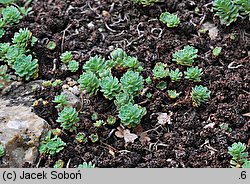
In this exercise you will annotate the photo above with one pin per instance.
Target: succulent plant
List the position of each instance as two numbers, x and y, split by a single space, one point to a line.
98 123
95 64
89 82
51 45
2 150
4 48
131 62
61 100
59 164
111 120
132 83
175 75
239 155
23 37
160 71
52 146
26 67
86 165
94 138
73 66
161 85
11 15
68 118
173 94
244 7
131 114
110 87
185 56
194 74
66 57
200 94
81 137
13 53
122 99
117 57
169 19
226 10
217 51
7 2
148 80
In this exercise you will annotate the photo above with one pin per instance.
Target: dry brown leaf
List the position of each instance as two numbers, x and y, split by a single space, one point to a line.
125 133
164 118
129 137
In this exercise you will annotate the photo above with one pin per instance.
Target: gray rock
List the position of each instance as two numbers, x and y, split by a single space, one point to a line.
20 134
73 99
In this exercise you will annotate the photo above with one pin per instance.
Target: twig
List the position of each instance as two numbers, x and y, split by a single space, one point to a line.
63 37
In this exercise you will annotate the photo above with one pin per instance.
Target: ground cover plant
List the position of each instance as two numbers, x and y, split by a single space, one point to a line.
158 83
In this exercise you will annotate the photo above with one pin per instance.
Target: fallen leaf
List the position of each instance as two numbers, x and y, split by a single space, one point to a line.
129 137
125 133
164 118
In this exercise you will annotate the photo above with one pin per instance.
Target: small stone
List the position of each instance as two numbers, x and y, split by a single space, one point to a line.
73 99
75 90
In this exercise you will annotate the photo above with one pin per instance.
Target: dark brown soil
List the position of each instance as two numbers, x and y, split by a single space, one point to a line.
88 27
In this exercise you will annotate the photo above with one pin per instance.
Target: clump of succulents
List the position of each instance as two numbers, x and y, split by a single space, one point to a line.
160 70
68 118
52 146
131 114
239 155
200 94
89 82
185 56
194 74
169 19
98 74
110 87
132 83
67 59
